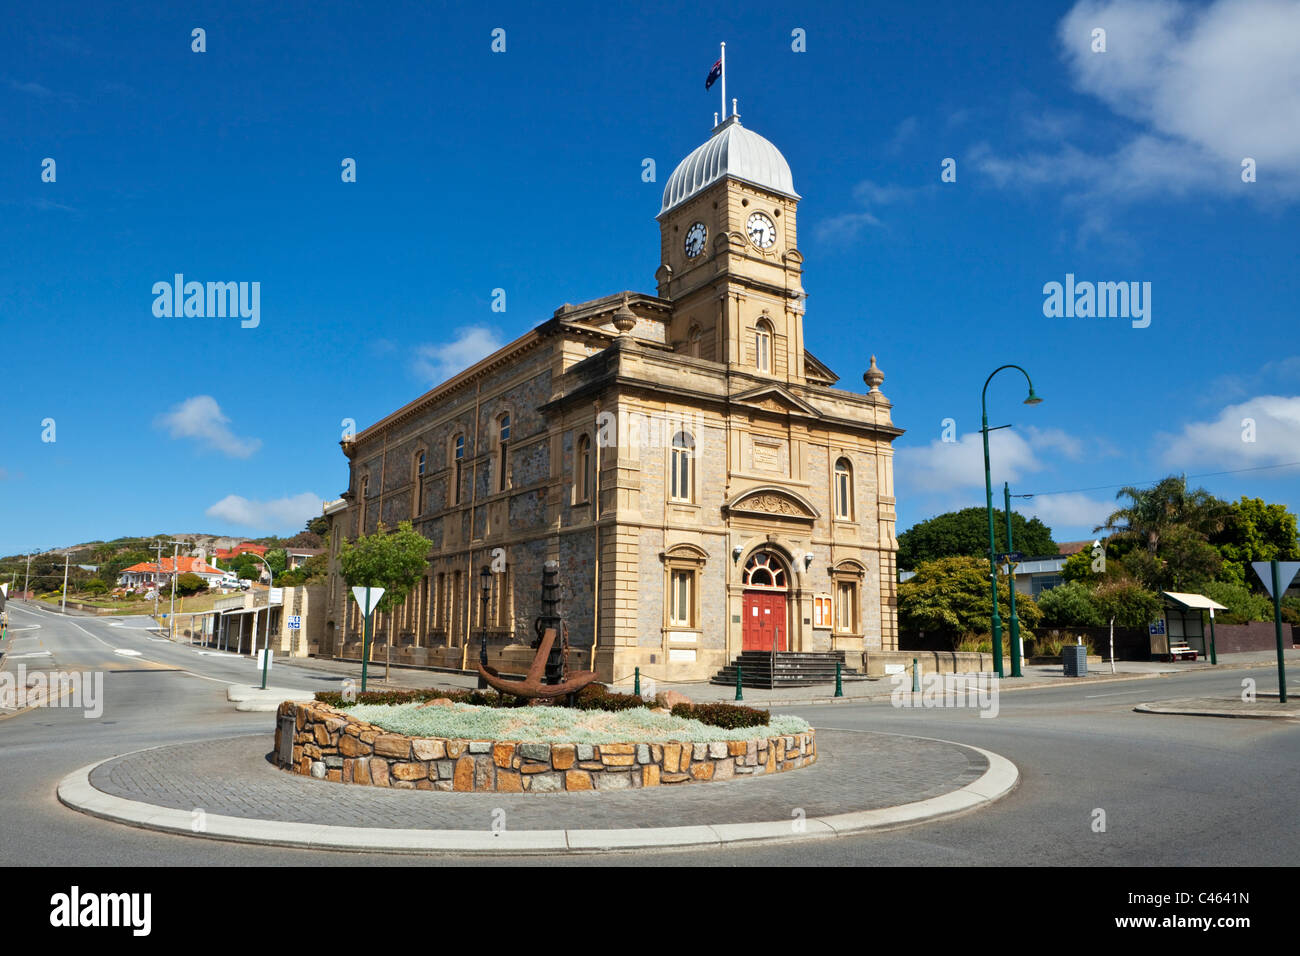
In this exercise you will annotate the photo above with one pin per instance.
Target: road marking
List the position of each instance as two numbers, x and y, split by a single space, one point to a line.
19 657
126 652
1119 693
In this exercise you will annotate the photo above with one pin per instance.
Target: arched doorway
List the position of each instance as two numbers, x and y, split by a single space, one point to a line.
766 583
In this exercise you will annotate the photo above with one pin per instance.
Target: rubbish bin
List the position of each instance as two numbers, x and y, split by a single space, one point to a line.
1075 659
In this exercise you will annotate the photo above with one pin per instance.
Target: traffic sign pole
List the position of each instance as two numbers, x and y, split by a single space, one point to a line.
365 642
1277 577
1277 627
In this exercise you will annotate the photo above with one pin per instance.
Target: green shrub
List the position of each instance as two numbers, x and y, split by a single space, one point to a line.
727 716
477 697
598 697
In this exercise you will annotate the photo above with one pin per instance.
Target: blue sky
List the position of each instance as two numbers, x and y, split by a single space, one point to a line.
522 170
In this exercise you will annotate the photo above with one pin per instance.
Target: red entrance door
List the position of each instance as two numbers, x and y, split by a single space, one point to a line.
764 620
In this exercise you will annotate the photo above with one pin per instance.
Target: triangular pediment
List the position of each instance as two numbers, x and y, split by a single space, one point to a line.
775 398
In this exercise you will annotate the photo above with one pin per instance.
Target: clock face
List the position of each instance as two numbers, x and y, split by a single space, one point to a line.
695 240
762 232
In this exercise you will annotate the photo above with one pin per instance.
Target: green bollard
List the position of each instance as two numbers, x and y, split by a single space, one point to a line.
839 685
636 685
916 677
739 694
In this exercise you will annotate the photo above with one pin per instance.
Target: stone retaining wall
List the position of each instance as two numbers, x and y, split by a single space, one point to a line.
330 744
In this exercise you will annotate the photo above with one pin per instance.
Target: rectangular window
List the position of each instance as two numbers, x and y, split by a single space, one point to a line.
822 611
846 607
682 605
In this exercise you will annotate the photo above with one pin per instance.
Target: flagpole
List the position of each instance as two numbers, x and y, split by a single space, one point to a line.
724 81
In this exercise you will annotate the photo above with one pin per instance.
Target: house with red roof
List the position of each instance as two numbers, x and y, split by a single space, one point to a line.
225 554
153 574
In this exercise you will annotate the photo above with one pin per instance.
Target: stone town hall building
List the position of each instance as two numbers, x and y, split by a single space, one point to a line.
691 467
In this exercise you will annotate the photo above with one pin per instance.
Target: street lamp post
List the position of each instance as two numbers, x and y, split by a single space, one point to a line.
27 575
1033 399
485 579
266 651
1011 585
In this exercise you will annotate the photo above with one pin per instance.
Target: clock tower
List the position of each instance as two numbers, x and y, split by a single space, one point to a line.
729 259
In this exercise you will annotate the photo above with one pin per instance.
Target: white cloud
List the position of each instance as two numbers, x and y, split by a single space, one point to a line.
1067 511
947 466
845 226
1207 86
435 363
201 418
871 195
1222 78
278 514
1222 441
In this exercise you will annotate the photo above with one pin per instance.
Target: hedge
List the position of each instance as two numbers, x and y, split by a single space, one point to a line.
727 716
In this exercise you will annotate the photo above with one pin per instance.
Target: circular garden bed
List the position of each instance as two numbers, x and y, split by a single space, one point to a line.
422 741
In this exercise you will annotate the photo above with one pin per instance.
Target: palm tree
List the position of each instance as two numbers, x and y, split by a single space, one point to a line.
1152 512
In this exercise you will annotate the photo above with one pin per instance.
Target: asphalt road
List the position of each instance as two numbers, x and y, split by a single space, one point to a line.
1174 790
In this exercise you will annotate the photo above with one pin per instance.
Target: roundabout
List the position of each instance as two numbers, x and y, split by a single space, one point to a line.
231 790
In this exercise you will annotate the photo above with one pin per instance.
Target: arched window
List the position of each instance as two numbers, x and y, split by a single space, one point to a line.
763 345
765 570
503 442
693 342
683 451
457 467
844 490
583 463
417 496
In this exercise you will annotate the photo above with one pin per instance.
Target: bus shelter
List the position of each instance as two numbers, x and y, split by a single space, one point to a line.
1183 630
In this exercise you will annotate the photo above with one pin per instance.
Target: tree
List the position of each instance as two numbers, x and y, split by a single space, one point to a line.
1126 602
278 561
1254 531
1152 512
1168 528
319 526
313 569
188 583
1070 605
1186 562
966 532
304 539
393 560
950 596
1243 605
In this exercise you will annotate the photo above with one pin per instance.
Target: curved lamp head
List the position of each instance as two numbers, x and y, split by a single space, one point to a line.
1033 398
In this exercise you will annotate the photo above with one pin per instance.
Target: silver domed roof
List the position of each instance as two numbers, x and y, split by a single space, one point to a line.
731 151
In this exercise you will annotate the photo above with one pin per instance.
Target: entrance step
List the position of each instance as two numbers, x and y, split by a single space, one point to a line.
762 669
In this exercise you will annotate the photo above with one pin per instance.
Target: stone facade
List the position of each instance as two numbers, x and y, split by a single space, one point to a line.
329 744
776 465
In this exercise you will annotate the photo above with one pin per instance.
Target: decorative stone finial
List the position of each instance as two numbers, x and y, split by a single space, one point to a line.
624 318
873 376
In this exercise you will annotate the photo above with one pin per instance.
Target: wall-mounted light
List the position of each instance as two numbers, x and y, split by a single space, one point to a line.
736 552
807 560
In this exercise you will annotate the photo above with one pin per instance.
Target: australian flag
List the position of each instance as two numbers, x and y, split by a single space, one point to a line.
713 74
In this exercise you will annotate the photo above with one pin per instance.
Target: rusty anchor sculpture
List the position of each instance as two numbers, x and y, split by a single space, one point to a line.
549 675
